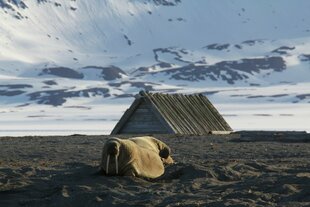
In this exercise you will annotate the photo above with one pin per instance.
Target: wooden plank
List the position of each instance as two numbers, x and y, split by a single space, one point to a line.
167 111
143 132
206 114
126 116
157 113
143 105
142 123
139 128
220 132
185 116
215 124
194 116
139 110
143 118
202 113
219 116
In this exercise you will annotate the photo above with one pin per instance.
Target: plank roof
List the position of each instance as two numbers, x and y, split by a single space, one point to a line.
179 114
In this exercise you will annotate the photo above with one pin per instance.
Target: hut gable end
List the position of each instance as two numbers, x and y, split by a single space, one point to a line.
143 121
156 113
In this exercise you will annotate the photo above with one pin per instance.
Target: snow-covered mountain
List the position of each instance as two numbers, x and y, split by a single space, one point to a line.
82 54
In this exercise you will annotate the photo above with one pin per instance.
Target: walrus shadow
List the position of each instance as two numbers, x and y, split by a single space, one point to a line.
180 172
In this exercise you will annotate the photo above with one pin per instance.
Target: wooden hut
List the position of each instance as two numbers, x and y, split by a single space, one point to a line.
156 113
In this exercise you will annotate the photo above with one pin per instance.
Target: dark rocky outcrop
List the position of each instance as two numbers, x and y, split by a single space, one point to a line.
58 97
217 46
229 71
107 73
62 72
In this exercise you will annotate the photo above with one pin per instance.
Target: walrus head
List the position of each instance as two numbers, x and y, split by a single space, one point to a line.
112 149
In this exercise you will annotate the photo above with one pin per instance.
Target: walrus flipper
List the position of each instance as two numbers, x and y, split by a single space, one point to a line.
164 153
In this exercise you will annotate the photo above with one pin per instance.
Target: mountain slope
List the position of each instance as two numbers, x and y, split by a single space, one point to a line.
124 33
202 43
84 54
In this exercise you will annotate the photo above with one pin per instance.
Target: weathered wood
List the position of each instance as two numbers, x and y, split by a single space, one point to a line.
220 132
209 118
203 114
126 116
188 118
172 113
139 110
193 113
221 120
166 111
143 127
149 100
143 118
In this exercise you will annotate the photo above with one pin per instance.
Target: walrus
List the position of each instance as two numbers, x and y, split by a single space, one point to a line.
138 157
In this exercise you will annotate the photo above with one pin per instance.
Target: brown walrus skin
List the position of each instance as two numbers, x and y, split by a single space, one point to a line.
139 156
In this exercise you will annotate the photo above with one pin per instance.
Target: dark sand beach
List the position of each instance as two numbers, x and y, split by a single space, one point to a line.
209 171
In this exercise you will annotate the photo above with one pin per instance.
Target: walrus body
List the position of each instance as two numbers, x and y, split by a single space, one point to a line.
139 156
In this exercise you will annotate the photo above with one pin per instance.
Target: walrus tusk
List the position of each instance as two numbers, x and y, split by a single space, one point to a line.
116 164
107 165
